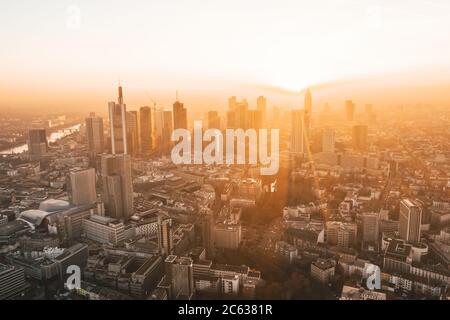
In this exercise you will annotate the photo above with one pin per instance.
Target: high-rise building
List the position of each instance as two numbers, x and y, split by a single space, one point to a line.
165 235
308 112
261 106
179 116
117 193
213 120
132 132
118 125
410 219
297 133
328 140
180 274
370 227
94 133
145 119
81 187
241 115
349 110
359 137
163 129
37 142
255 119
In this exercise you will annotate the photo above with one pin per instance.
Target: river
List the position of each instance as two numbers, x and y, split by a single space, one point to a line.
54 136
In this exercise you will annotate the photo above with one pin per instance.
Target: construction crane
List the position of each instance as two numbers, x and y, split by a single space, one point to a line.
153 101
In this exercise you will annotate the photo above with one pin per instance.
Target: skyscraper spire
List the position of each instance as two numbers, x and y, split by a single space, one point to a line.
120 99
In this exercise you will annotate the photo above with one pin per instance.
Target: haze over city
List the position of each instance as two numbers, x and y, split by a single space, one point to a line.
69 54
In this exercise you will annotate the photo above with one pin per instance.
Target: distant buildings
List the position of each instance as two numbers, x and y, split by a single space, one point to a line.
213 120
145 118
359 138
349 110
328 140
410 219
179 116
370 227
37 142
298 132
132 133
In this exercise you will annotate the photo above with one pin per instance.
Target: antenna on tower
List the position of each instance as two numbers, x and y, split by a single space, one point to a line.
176 95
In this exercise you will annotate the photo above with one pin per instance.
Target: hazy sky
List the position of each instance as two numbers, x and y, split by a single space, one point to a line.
81 48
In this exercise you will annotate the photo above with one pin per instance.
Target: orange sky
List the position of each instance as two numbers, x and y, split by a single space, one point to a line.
70 54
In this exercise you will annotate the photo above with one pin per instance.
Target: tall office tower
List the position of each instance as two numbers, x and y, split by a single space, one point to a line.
81 187
308 112
167 130
261 105
180 274
94 133
231 119
359 137
297 133
145 119
232 103
179 116
370 227
37 142
132 132
328 140
165 235
213 120
241 115
118 125
117 193
255 119
410 220
349 110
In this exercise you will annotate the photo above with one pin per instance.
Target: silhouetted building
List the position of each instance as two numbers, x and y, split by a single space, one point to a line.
118 125
145 119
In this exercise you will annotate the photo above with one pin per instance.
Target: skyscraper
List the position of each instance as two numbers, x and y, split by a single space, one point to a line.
132 132
261 106
328 140
231 113
297 133
117 193
213 120
145 118
370 227
37 142
410 220
94 133
255 119
179 116
349 110
165 235
81 187
359 137
308 112
118 125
